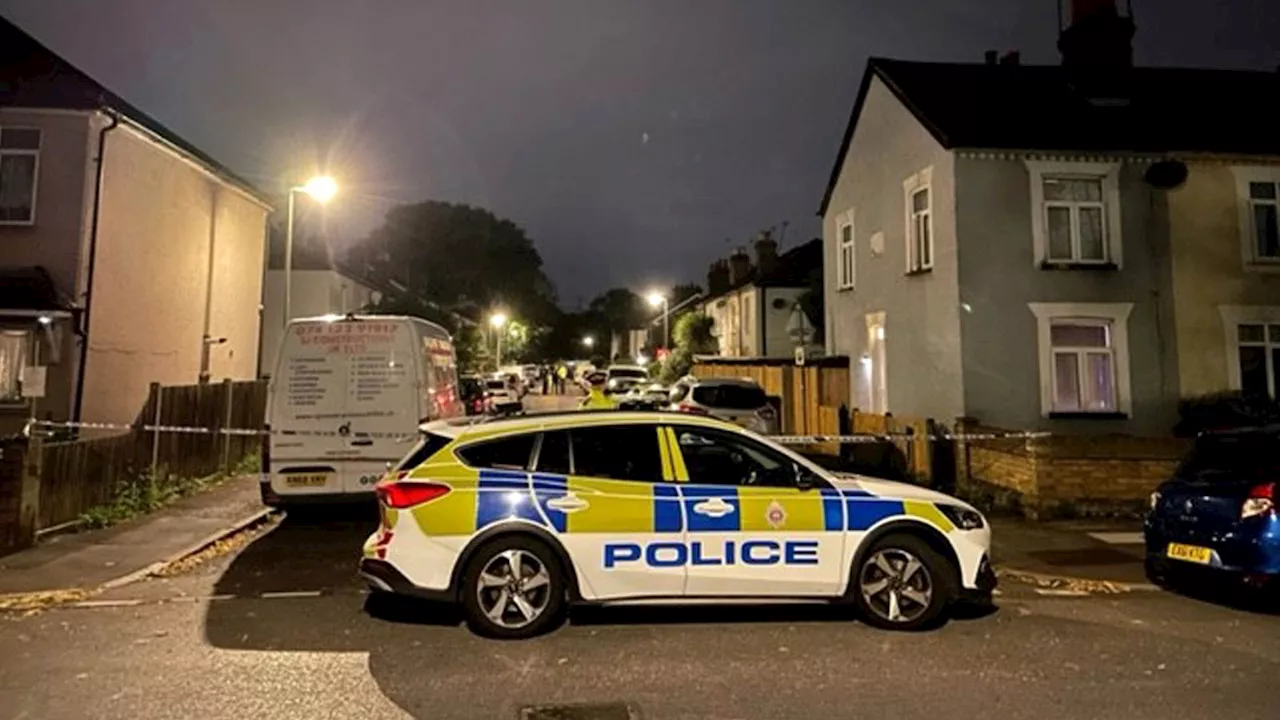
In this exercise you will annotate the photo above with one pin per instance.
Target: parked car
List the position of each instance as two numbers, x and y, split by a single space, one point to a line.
471 391
645 397
740 401
502 396
1217 514
620 378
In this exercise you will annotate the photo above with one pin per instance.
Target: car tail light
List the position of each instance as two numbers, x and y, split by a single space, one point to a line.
693 409
400 495
1261 501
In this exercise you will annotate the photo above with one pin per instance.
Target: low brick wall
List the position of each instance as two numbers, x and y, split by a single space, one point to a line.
1065 476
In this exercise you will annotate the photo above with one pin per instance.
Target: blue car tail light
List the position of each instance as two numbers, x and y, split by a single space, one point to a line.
1260 501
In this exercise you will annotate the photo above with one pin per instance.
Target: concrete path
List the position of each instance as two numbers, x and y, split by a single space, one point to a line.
92 558
1107 551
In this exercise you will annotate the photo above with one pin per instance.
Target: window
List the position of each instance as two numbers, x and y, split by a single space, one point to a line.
1084 358
15 349
19 169
1258 355
553 456
1263 226
509 453
1075 213
1084 367
918 196
715 458
621 452
845 267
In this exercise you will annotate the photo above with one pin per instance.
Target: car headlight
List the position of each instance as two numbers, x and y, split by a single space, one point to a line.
964 518
1155 499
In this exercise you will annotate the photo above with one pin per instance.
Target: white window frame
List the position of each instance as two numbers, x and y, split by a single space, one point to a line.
1233 316
1109 174
1116 315
35 173
920 182
1244 213
846 252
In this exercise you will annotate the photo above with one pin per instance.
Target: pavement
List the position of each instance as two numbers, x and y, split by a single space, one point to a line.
91 559
1099 551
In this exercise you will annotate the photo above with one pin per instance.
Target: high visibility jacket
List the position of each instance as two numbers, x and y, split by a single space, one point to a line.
562 372
597 400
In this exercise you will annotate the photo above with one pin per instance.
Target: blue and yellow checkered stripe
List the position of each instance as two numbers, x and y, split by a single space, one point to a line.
616 506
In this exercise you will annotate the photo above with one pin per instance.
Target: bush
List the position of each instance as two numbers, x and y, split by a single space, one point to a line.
1221 411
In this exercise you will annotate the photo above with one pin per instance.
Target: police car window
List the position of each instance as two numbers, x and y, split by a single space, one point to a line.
429 445
553 456
620 452
511 453
714 458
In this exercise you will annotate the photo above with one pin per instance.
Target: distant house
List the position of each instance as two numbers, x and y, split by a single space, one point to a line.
755 306
322 285
1071 247
126 253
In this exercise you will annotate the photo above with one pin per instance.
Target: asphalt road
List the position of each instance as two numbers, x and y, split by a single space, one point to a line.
282 628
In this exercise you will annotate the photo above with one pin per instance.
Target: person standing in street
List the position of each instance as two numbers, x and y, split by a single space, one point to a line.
596 398
561 373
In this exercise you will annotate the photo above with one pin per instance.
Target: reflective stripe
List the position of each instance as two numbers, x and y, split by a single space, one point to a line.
665 451
862 513
930 512
677 457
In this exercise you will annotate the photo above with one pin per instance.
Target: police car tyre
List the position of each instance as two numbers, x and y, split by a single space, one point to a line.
513 588
901 583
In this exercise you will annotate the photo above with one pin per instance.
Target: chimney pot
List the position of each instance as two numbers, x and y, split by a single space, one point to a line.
766 253
1013 57
739 267
990 57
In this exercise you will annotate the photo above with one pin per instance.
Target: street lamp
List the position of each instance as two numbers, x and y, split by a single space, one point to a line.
322 188
497 320
658 299
588 342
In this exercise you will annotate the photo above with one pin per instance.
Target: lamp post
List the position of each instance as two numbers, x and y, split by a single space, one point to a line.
497 320
588 342
322 188
657 299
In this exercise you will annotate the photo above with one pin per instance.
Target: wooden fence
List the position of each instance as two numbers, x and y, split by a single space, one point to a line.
80 474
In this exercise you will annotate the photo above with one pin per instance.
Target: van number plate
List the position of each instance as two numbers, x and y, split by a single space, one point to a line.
309 481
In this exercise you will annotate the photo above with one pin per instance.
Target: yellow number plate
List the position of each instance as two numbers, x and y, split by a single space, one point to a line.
306 480
1190 553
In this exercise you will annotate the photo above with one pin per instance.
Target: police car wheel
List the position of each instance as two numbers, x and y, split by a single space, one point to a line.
902 584
513 588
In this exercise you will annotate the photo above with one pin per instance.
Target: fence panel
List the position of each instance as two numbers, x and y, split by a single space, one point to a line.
80 474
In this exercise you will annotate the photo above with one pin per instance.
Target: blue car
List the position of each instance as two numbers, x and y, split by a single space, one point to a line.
1218 512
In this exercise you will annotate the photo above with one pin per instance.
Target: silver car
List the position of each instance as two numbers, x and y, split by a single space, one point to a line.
740 401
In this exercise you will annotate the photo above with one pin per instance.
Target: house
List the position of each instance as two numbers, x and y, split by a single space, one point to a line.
128 255
322 284
1072 247
756 306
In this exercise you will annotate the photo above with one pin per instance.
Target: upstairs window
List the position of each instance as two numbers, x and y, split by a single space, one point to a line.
845 268
1075 214
19 169
1263 226
920 231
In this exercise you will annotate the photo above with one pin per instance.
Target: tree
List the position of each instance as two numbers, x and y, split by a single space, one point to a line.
691 336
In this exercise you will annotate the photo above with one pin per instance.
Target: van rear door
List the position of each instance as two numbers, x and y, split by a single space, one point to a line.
307 402
383 398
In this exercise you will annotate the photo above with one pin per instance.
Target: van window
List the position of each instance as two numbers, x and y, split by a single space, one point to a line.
429 445
509 453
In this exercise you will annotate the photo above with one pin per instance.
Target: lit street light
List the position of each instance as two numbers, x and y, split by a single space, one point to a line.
657 299
497 320
588 341
322 188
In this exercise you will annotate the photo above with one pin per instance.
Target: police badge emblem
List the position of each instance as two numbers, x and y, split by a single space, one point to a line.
775 515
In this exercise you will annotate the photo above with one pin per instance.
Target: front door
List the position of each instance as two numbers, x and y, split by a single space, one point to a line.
618 513
751 531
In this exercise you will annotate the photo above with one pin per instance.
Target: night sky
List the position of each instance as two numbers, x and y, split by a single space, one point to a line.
629 137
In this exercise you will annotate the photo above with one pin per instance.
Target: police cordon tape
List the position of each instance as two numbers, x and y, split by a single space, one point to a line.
47 426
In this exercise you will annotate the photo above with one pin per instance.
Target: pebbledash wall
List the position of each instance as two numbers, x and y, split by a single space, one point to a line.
1064 476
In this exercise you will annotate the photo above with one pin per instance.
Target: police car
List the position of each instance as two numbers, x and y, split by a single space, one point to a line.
517 518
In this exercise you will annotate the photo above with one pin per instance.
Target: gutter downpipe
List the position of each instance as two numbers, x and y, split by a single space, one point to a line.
93 256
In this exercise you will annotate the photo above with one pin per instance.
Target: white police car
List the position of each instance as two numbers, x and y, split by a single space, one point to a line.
516 518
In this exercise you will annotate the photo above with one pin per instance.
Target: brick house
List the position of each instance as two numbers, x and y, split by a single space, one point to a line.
129 256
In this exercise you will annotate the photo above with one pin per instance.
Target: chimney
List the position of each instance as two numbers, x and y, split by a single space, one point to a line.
717 277
739 267
1098 37
989 57
766 253
1013 57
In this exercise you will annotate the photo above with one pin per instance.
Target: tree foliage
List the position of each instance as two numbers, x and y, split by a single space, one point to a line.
692 335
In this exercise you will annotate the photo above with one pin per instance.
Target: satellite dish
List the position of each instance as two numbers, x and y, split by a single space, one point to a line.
1166 174
375 297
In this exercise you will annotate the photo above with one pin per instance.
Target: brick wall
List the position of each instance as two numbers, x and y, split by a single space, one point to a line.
12 454
1065 475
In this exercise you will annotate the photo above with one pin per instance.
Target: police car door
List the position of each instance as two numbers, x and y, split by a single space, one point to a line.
619 513
751 530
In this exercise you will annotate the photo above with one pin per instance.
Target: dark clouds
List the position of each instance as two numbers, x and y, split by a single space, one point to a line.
630 137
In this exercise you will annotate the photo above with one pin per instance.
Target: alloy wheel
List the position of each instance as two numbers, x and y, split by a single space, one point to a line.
896 585
513 589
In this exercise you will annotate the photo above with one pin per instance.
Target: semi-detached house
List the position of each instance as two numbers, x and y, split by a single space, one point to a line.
127 255
1072 247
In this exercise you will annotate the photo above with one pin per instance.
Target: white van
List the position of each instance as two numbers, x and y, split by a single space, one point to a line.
346 398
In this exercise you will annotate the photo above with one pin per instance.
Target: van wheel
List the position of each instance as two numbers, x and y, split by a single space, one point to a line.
513 588
902 584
